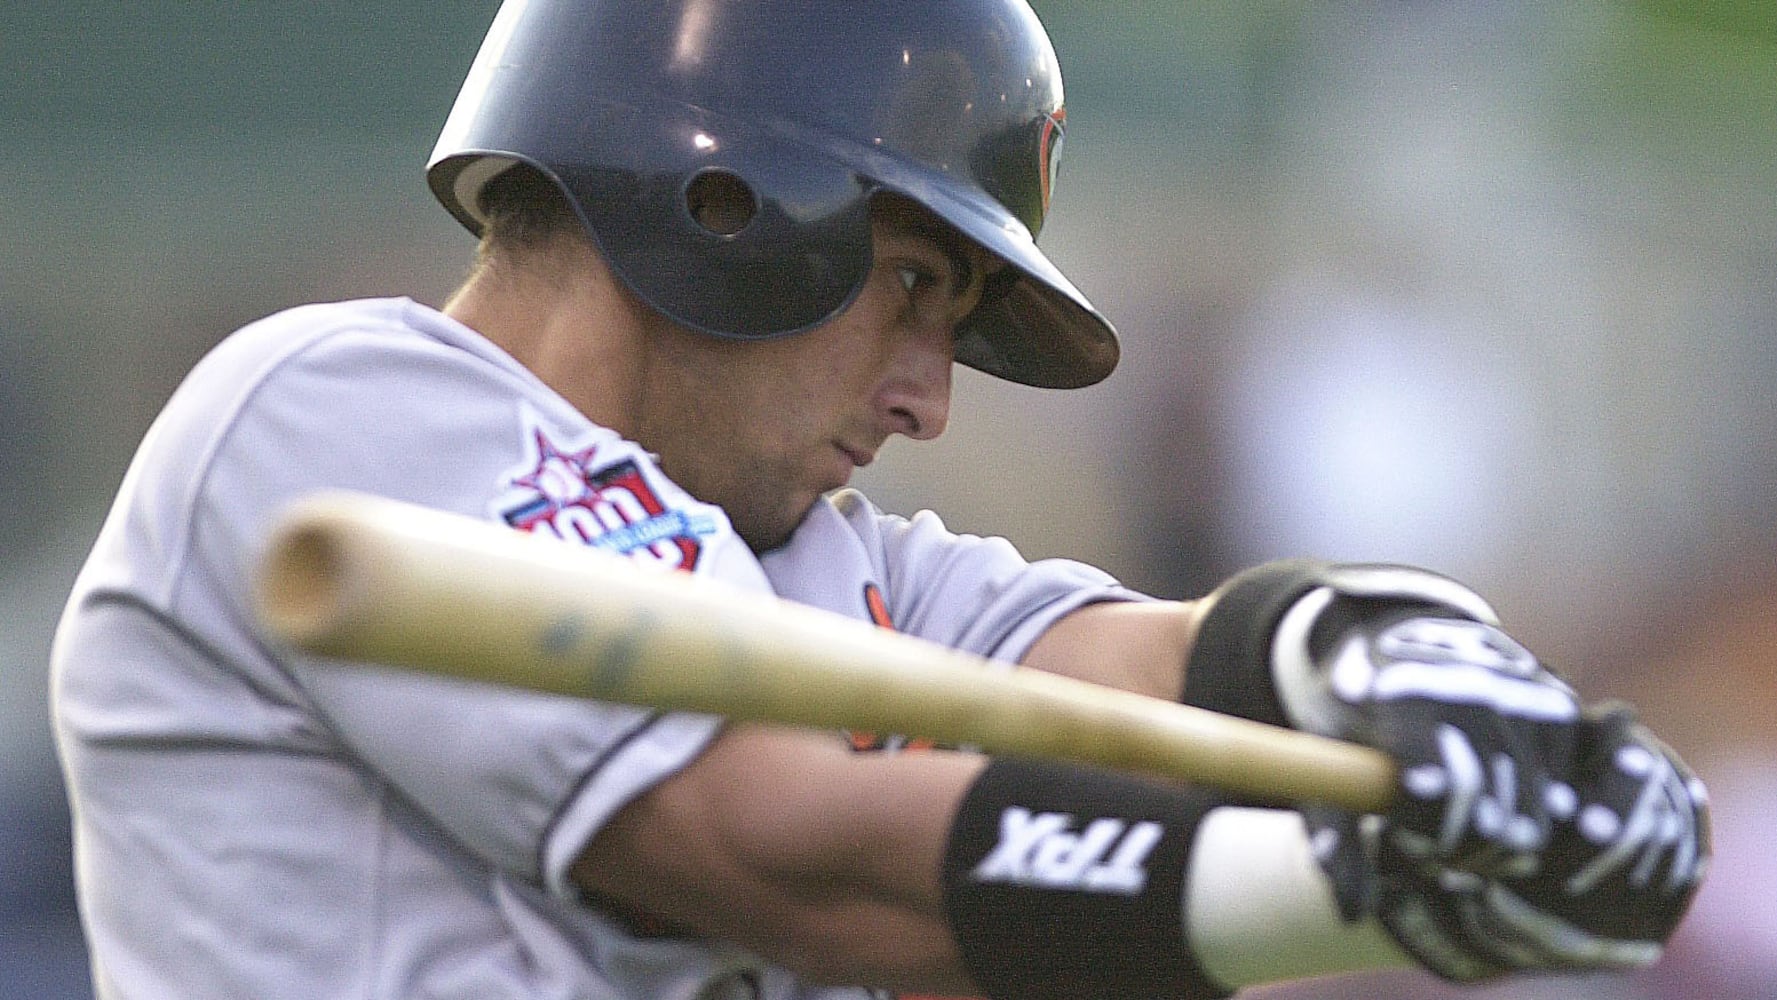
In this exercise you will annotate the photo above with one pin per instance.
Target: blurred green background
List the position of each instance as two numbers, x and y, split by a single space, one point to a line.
1487 287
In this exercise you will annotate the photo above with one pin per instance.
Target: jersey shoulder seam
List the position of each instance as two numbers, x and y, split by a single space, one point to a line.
262 374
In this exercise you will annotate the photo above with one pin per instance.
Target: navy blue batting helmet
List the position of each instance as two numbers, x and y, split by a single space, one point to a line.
809 108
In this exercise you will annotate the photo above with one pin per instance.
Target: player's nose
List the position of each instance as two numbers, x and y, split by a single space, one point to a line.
915 401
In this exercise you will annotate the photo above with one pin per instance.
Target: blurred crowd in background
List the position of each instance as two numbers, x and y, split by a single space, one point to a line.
1490 288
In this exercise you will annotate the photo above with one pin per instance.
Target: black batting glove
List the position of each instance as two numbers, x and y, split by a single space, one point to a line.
1627 852
1527 835
1480 729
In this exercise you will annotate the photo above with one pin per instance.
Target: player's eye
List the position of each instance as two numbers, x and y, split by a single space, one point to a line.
915 279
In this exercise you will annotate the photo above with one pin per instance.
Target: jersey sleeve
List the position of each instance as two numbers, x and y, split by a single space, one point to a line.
970 592
521 779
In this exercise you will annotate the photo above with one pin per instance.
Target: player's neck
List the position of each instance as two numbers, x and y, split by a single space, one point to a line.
570 322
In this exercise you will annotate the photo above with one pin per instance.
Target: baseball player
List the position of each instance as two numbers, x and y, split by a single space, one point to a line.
727 251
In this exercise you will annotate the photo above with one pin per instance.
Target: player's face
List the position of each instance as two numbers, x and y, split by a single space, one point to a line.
763 428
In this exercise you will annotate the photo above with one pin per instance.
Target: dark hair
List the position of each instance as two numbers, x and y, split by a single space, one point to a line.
525 211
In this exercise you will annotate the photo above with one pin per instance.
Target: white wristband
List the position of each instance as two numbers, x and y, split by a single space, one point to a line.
1259 909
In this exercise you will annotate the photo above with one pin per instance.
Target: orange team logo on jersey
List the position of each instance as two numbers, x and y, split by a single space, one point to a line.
1049 141
878 610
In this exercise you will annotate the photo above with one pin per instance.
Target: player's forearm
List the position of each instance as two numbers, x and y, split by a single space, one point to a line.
826 862
1135 646
790 845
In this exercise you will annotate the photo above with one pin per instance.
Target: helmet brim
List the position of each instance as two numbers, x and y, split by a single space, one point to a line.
1033 327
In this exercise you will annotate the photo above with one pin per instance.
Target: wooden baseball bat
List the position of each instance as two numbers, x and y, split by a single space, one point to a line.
378 581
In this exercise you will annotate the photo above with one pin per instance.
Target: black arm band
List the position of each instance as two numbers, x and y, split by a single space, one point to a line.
1230 666
1066 883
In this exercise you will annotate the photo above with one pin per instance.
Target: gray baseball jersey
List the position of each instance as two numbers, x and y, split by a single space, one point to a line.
252 823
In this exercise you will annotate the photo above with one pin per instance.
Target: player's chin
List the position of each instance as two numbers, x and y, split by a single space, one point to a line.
767 530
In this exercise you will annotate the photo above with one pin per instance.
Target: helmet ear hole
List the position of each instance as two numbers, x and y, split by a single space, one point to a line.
720 202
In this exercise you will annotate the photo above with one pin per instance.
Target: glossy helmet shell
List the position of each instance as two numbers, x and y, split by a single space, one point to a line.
809 108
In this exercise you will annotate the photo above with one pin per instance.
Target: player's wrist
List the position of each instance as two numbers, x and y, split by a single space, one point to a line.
1254 654
1261 908
1228 669
1062 882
